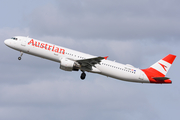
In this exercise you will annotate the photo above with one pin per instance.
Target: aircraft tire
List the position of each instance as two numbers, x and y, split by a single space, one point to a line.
83 76
19 58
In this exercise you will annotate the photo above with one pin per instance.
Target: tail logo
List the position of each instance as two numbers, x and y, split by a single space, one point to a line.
164 67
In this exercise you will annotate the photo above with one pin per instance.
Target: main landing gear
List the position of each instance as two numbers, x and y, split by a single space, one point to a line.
19 58
83 75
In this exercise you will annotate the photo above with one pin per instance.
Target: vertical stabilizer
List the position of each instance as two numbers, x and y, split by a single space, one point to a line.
157 71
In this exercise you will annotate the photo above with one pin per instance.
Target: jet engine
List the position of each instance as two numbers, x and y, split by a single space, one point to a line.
69 65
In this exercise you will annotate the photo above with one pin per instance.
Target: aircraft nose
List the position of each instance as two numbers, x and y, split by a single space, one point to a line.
6 42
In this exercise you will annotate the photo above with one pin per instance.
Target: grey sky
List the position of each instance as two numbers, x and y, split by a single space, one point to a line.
131 32
107 19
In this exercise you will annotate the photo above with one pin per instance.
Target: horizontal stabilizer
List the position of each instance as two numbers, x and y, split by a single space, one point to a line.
161 78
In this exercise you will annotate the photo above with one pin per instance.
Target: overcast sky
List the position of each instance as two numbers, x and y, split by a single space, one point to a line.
131 32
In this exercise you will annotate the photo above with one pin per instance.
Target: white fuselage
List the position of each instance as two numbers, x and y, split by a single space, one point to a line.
55 53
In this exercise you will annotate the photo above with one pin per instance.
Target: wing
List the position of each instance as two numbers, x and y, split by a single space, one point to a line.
87 64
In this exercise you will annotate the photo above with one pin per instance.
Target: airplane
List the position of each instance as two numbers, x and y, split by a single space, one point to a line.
71 60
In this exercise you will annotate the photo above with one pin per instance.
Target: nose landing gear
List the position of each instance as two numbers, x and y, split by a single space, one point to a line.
83 75
19 58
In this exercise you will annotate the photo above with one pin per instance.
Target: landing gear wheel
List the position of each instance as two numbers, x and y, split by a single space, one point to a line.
83 76
19 58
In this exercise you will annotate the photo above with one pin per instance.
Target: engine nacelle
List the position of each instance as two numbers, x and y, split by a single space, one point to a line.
69 65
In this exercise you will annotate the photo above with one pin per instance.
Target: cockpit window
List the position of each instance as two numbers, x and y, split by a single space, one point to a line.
14 38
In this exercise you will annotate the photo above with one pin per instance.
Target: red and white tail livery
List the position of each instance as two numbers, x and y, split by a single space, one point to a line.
157 72
71 60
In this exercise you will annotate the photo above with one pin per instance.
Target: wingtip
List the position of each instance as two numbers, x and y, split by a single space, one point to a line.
106 57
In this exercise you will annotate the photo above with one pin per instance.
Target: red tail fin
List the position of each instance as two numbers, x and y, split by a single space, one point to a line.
160 69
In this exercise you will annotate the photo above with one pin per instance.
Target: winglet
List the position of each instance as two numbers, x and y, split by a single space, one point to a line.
106 57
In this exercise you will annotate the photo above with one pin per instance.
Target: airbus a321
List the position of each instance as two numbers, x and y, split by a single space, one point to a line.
71 60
